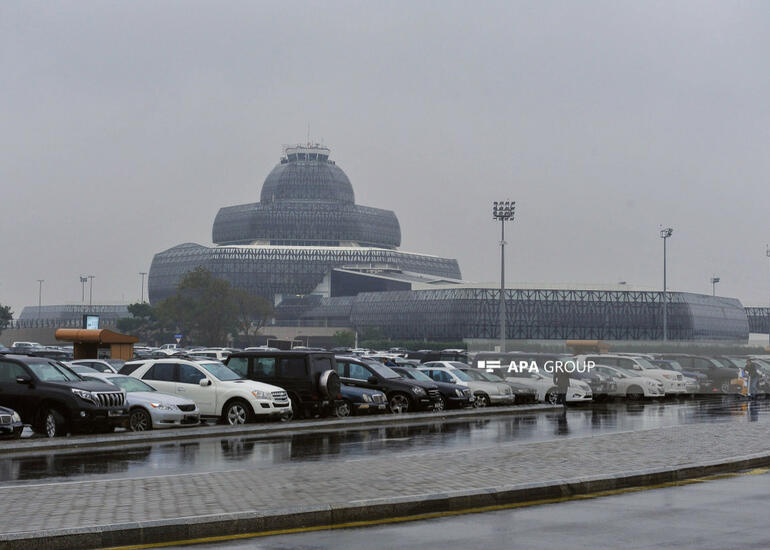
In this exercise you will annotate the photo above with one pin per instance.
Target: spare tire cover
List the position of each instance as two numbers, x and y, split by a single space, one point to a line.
329 384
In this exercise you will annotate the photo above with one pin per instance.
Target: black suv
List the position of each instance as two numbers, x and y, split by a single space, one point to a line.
55 400
307 376
403 394
452 395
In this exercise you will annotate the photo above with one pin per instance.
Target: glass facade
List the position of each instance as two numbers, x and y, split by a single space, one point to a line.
759 319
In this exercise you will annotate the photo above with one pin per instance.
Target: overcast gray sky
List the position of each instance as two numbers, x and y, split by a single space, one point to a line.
124 126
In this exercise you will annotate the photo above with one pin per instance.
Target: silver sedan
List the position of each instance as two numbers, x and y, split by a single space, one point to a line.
150 408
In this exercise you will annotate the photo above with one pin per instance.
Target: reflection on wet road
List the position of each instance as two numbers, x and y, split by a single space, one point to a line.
207 455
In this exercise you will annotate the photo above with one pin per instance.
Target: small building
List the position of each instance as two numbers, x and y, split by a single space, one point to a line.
86 343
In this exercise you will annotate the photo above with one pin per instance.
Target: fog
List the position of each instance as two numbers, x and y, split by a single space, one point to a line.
124 126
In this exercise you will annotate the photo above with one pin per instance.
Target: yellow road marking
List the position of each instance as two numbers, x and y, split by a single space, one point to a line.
435 515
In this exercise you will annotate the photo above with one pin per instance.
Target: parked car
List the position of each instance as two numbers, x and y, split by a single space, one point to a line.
454 372
521 393
99 365
673 382
11 425
309 377
578 391
631 386
452 395
54 400
403 394
218 354
360 400
694 382
602 386
148 408
218 391
720 379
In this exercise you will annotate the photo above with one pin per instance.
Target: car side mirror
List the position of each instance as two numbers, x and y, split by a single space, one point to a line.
372 380
24 380
205 382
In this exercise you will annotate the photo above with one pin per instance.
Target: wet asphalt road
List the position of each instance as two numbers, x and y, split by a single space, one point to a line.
719 514
210 455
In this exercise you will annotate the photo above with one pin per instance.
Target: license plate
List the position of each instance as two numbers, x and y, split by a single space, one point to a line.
191 417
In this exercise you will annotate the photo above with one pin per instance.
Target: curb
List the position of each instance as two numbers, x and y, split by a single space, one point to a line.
181 529
80 442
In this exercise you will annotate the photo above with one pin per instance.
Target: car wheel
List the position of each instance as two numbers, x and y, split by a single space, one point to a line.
482 400
552 397
139 421
441 403
725 387
237 413
399 403
343 409
51 423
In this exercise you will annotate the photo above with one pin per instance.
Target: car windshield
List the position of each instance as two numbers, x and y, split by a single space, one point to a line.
382 370
460 374
219 371
645 364
490 376
474 375
130 384
50 371
417 375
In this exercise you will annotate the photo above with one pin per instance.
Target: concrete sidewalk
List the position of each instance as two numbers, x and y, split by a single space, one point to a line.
129 511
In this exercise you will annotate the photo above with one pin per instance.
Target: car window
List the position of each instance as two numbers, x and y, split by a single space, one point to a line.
162 372
340 368
239 365
628 364
10 371
264 367
323 363
293 367
190 375
358 372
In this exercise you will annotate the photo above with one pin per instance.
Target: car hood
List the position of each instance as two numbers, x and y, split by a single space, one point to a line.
6 410
423 384
248 385
86 385
144 397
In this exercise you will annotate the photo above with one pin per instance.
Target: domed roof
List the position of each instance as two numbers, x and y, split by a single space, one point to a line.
306 173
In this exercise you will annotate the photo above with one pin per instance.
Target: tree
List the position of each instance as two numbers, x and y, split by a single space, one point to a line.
144 324
344 338
6 316
203 309
252 312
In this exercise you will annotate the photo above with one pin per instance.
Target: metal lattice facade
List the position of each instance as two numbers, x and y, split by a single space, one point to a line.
759 319
453 313
270 270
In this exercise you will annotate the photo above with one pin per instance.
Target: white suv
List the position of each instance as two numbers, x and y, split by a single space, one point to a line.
218 391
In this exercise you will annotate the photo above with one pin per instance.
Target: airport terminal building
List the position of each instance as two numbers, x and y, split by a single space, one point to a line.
325 261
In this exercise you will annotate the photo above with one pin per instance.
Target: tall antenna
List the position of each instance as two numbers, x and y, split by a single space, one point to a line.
308 133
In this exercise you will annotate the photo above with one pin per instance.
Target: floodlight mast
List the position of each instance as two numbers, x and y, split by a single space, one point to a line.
503 211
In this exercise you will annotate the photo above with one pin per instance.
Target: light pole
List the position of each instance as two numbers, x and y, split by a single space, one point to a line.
665 234
83 281
502 211
39 297
714 281
91 290
142 274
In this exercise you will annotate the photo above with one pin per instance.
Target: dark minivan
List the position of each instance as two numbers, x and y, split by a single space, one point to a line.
309 377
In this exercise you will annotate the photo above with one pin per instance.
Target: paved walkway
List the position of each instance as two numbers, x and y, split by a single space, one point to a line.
51 506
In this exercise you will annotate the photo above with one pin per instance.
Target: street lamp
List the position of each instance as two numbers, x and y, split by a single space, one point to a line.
40 297
665 234
714 281
502 211
768 309
91 289
83 281
142 274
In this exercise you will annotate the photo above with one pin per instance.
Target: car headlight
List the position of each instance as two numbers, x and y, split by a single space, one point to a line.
85 395
162 406
259 394
669 376
459 393
367 397
418 390
15 417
